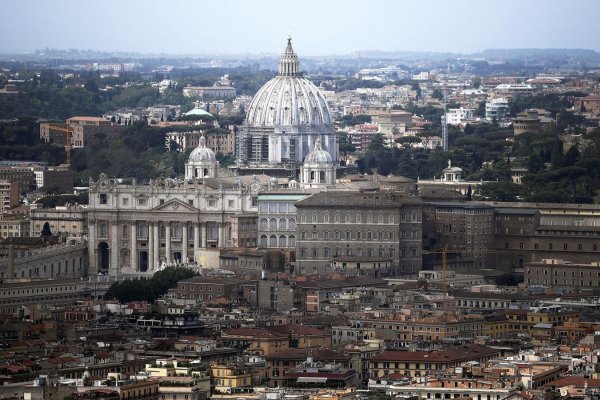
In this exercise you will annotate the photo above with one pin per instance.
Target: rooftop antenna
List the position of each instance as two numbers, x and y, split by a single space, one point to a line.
445 116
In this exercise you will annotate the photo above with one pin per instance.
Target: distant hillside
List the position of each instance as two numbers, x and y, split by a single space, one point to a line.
580 55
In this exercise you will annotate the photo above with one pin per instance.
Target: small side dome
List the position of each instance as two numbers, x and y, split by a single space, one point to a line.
202 153
318 155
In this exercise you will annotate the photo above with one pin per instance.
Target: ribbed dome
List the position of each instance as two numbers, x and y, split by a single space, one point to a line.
318 155
202 153
288 99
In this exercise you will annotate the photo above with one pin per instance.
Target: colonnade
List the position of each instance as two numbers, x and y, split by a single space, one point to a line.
139 246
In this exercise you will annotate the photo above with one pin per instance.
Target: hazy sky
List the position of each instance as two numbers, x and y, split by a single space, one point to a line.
319 27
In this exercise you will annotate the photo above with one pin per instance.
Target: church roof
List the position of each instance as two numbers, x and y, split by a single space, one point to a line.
198 111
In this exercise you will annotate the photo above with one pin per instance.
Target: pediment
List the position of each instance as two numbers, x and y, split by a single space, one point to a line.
174 205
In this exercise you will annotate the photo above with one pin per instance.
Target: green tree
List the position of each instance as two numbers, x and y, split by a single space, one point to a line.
345 146
148 289
501 191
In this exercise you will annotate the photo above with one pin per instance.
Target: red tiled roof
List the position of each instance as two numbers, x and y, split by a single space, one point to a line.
62 360
253 332
454 354
299 330
395 376
574 381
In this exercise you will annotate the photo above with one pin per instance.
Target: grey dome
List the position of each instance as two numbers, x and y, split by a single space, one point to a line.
288 99
318 155
202 153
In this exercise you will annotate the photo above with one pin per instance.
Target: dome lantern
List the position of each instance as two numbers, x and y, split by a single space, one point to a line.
288 63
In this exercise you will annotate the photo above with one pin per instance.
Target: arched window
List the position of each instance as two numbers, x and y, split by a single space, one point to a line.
263 241
292 241
273 224
273 241
292 223
322 176
205 172
282 224
263 223
282 241
125 231
312 176
536 246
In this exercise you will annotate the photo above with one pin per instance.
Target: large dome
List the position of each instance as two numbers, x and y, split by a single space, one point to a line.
284 119
288 99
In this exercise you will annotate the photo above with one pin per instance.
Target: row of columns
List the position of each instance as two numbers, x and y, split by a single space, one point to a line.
200 240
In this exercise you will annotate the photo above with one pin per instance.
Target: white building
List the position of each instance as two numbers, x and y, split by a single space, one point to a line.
457 116
497 109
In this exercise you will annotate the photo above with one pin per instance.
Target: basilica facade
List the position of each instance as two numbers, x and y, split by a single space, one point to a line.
134 229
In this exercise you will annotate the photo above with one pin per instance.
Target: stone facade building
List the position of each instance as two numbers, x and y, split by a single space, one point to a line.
527 232
562 273
135 228
465 227
365 226
60 260
68 221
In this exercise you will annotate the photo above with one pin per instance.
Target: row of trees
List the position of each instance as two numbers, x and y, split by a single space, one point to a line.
148 289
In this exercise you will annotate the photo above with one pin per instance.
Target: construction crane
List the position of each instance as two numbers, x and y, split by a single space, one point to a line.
69 134
444 252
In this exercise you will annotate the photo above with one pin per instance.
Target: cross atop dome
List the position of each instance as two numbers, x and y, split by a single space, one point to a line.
288 63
